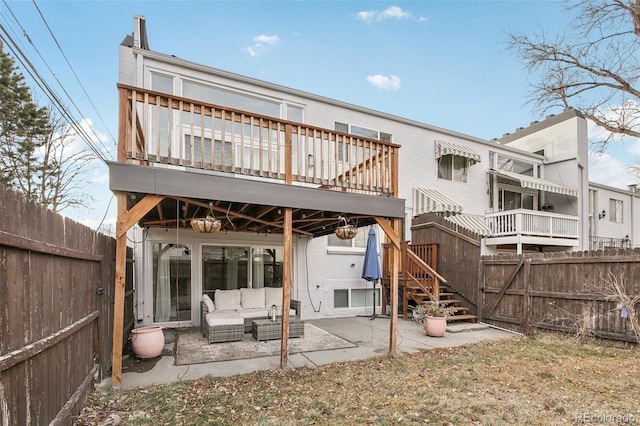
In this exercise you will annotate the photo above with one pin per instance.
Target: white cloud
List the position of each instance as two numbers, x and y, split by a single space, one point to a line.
613 166
384 82
393 12
606 170
69 142
261 44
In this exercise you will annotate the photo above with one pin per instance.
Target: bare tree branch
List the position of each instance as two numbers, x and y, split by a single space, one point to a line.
593 66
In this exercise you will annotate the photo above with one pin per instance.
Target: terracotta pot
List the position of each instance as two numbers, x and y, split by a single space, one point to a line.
147 342
435 326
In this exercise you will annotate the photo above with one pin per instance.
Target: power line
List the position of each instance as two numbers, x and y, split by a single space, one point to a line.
72 70
79 129
48 91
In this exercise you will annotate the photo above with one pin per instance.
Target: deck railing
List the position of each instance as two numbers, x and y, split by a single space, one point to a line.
160 128
601 243
532 223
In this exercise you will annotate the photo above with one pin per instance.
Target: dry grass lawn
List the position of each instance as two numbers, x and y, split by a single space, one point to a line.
544 381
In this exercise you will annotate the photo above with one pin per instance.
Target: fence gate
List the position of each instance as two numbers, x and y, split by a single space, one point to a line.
505 287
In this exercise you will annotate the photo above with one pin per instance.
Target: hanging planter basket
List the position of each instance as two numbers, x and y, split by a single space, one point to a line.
207 225
346 232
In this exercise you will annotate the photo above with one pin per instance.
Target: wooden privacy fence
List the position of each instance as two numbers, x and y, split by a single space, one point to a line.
458 254
568 292
56 312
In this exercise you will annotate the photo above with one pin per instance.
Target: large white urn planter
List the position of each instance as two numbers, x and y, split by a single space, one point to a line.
147 342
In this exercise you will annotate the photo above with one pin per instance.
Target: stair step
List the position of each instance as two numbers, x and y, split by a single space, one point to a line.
462 309
465 317
449 301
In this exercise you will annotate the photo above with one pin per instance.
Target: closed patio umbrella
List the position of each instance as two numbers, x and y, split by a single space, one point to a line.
371 267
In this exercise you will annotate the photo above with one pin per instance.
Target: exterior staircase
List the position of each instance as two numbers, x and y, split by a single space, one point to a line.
447 298
418 281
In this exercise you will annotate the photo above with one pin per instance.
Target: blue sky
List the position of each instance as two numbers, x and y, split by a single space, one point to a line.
443 63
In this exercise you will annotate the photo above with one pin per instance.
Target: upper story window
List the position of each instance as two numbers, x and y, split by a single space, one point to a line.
161 83
363 131
453 167
615 210
343 155
241 101
294 113
454 161
508 164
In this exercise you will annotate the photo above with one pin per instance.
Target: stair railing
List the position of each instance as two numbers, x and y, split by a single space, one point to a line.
418 272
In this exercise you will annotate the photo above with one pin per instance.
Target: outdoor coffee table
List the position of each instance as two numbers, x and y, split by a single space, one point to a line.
265 329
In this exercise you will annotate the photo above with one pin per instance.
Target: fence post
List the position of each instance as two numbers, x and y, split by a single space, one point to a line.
480 303
526 303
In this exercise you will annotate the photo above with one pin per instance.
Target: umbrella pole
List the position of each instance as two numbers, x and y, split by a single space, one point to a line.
374 300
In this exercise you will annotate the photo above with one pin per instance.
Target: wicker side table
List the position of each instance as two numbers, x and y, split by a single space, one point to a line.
265 329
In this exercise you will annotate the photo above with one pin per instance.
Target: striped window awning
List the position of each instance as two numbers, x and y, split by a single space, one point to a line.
535 183
472 223
432 201
446 148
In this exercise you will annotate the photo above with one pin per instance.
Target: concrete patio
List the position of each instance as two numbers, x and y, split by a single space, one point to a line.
371 337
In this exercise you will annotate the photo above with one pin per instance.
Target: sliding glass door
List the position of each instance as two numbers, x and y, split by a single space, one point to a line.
228 267
171 282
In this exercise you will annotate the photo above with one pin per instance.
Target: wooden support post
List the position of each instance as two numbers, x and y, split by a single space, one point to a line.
288 250
123 119
124 222
118 307
392 232
286 284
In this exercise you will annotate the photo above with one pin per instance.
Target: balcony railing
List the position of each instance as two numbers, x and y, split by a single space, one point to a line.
602 243
160 128
532 223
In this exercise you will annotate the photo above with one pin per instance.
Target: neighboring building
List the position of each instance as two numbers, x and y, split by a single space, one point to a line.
527 191
613 217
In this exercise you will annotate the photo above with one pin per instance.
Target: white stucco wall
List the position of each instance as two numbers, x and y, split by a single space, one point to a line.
607 228
317 271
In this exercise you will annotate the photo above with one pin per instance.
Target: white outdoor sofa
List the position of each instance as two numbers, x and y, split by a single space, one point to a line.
231 312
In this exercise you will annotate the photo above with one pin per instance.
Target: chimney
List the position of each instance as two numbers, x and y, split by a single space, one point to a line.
633 188
140 32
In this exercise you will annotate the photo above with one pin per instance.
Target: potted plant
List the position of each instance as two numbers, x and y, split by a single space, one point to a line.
346 231
434 317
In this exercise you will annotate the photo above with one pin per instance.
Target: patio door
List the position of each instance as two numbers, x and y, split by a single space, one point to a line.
171 282
224 268
232 267
512 198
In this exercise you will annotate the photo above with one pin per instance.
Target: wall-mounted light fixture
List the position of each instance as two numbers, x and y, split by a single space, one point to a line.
602 215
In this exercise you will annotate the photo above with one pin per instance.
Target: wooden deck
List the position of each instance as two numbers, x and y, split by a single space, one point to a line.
176 131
